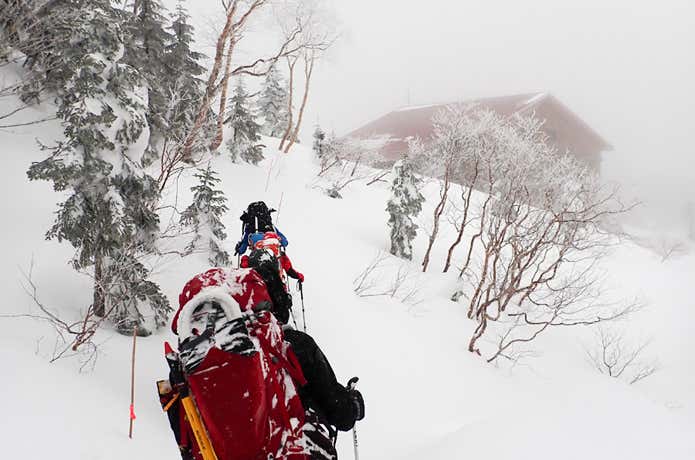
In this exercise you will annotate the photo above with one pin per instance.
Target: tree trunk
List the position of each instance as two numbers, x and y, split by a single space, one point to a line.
466 207
99 304
437 215
459 237
219 136
291 63
211 86
479 235
309 68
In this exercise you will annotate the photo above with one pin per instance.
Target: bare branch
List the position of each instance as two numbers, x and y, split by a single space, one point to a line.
611 356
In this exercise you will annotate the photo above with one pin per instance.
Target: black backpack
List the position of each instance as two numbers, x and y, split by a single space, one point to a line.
267 265
257 218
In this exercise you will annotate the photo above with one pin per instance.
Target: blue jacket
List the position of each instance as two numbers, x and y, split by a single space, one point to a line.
243 245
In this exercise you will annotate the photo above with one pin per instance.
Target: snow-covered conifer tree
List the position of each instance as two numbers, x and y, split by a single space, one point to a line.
108 215
185 86
272 104
244 142
147 39
319 141
405 204
204 215
52 28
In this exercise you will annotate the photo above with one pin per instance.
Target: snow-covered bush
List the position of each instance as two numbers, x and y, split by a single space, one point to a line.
344 161
319 144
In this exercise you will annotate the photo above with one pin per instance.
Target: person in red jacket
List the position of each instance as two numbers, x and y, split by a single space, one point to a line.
271 242
270 268
339 405
270 261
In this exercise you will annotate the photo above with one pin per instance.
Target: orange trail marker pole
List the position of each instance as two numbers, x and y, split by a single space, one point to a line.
132 384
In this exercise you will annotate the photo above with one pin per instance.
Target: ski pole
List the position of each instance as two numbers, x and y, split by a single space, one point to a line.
352 383
277 218
236 249
301 294
294 320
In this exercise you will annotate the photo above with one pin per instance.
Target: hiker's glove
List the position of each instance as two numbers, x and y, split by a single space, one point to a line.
300 277
244 262
356 398
357 403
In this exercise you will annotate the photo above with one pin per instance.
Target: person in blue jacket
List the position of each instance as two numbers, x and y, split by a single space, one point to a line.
256 221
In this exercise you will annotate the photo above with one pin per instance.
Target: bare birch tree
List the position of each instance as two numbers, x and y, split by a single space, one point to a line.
539 230
291 63
239 14
448 151
309 61
318 36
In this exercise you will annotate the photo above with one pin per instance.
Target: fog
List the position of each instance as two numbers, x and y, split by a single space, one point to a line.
625 67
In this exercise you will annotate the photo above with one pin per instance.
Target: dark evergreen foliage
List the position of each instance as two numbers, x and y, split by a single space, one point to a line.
185 86
147 40
109 215
244 142
272 104
204 215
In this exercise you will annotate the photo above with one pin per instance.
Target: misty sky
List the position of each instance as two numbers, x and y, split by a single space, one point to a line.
626 67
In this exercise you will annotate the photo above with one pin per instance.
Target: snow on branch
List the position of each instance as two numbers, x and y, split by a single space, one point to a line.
537 234
345 161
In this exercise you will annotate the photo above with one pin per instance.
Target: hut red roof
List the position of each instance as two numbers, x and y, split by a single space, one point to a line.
563 126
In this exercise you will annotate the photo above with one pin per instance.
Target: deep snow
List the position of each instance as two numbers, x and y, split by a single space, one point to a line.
426 396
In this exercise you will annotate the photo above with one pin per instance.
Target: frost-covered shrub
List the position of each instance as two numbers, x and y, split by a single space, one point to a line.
535 235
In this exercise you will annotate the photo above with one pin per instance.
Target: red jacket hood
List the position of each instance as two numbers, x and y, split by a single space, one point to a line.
243 285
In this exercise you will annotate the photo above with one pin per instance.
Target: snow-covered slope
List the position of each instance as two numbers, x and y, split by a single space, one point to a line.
426 396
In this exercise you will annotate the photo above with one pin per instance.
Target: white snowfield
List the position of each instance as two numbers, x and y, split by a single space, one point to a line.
426 396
